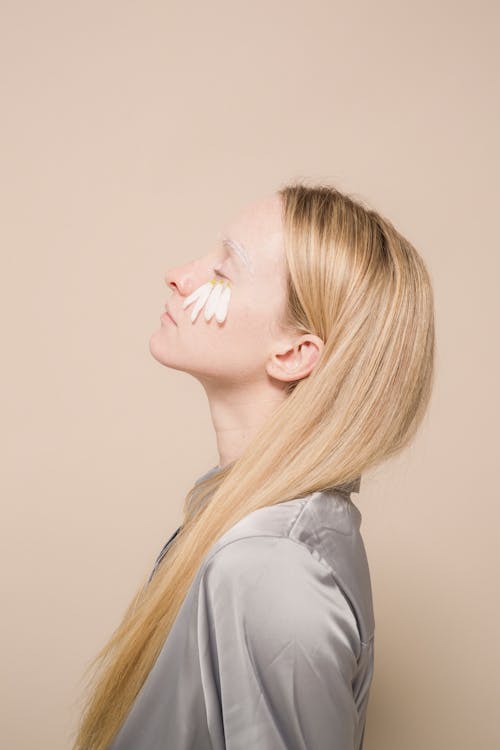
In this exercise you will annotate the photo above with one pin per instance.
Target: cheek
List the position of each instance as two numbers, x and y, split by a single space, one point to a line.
243 322
247 330
250 313
235 349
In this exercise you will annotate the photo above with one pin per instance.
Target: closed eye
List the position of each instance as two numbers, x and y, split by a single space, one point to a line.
221 275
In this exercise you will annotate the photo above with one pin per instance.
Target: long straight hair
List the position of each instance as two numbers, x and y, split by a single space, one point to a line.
357 283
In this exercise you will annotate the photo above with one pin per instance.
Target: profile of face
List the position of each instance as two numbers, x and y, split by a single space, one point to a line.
226 306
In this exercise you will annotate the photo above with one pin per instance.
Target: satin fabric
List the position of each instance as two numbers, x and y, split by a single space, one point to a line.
273 646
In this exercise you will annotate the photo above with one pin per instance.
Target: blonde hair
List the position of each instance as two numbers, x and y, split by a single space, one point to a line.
355 282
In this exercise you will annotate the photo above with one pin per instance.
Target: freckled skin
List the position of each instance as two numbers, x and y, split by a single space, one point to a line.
245 362
237 349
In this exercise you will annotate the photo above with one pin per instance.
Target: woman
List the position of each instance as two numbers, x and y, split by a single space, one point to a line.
311 328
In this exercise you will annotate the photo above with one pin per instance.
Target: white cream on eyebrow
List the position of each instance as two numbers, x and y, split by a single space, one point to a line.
239 250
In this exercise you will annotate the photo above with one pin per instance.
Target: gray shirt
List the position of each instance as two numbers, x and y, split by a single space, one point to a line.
273 646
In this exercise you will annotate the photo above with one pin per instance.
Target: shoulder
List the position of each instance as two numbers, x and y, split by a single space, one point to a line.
279 646
248 557
280 590
306 547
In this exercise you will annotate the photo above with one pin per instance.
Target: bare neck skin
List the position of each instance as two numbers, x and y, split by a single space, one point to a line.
239 413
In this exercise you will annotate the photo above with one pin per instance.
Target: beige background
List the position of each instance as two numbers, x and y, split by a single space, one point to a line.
131 132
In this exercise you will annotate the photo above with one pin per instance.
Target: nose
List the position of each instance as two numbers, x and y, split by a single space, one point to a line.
176 279
184 279
171 284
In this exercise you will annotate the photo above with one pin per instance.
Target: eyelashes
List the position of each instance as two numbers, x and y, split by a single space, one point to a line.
220 274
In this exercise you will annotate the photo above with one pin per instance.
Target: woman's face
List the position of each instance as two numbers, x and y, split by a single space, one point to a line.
235 351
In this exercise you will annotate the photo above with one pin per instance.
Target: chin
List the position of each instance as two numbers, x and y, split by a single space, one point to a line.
158 349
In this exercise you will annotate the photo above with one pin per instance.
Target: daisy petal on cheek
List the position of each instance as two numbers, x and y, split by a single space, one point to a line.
201 301
200 295
222 304
213 300
215 295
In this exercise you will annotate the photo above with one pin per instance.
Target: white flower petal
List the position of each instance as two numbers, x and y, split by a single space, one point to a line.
201 300
212 301
222 305
194 295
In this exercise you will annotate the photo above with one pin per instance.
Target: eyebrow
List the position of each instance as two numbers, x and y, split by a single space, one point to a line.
237 249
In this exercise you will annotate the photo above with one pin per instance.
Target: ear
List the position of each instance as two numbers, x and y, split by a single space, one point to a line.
296 359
